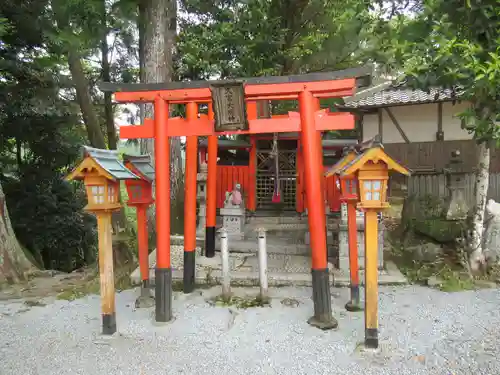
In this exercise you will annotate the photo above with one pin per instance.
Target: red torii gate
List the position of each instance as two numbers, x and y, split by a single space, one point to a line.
308 89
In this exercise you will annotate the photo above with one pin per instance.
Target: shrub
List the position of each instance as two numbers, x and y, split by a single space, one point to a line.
48 218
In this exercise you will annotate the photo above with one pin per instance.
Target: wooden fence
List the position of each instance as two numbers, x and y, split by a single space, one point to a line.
435 184
436 155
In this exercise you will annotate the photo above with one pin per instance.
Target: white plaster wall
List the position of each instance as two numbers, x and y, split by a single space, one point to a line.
419 122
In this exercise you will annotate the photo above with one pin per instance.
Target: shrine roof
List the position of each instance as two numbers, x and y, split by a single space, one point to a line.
337 168
143 165
374 152
109 161
362 75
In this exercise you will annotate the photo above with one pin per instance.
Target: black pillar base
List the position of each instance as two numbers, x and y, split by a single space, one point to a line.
323 318
354 305
189 270
371 338
163 294
210 242
108 324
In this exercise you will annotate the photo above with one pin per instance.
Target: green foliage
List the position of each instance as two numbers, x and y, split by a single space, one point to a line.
48 219
40 139
451 44
261 37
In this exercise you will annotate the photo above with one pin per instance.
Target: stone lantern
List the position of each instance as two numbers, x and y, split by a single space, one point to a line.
201 196
455 206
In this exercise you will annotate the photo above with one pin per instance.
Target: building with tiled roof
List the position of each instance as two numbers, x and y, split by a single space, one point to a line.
392 95
420 129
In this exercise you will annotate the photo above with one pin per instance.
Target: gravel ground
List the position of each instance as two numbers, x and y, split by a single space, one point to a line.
422 331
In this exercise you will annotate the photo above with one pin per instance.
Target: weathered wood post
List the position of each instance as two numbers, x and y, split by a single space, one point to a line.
101 172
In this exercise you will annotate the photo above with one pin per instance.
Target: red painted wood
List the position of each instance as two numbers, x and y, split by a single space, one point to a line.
325 89
332 193
177 126
227 177
299 191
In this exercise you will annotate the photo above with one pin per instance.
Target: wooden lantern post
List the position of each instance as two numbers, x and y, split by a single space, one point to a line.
101 172
349 195
140 196
372 170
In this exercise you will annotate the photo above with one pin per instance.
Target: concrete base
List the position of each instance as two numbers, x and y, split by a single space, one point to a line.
344 247
144 302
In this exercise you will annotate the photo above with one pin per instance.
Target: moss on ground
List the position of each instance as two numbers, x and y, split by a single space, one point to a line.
240 302
445 273
92 285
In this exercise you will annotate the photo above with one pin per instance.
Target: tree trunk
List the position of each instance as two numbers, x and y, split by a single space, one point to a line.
94 132
160 22
141 26
476 258
106 77
90 118
14 264
119 220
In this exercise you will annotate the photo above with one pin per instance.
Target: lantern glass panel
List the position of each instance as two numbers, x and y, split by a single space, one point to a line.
111 194
372 190
136 192
98 194
351 187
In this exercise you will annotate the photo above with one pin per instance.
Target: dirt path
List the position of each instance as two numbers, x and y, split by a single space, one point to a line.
51 284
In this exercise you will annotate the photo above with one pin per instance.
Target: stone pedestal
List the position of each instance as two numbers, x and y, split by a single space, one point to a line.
201 196
233 217
344 242
233 220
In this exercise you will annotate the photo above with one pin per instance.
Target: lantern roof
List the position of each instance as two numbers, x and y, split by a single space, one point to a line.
142 164
350 154
105 162
374 153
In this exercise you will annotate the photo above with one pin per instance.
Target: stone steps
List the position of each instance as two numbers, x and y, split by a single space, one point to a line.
283 270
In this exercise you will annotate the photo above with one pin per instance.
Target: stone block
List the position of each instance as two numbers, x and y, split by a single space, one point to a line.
329 238
344 247
233 220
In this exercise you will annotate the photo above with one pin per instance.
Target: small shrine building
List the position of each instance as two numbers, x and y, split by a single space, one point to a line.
251 163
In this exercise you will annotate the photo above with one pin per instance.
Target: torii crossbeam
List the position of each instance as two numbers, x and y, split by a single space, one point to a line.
310 121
